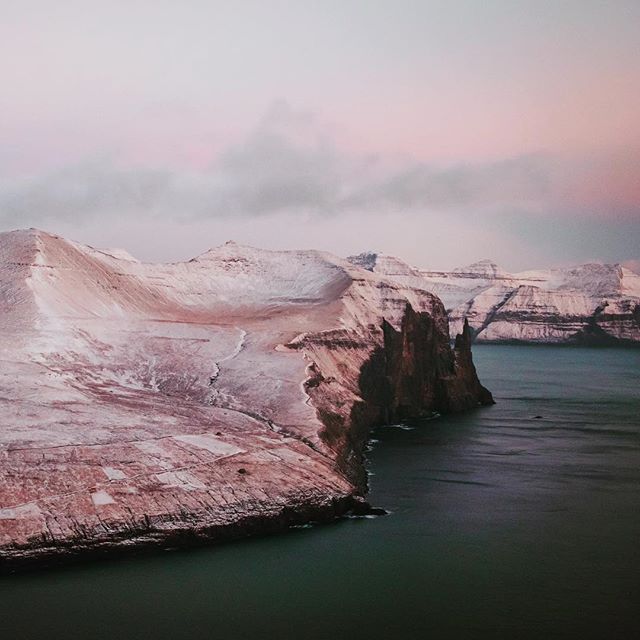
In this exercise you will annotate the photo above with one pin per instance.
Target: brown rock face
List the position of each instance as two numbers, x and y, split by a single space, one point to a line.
411 373
162 405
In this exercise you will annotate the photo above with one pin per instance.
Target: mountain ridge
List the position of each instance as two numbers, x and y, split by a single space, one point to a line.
591 303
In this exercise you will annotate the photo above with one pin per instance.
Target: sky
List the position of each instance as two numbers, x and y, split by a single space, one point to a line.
440 131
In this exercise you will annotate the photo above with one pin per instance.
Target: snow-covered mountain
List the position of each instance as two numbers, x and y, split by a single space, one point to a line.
590 303
167 403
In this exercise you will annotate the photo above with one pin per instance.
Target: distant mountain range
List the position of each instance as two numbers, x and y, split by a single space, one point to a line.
585 304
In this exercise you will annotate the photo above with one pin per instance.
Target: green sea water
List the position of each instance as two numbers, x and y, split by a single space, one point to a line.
520 520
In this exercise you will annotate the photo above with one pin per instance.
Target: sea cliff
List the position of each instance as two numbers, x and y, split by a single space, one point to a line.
163 405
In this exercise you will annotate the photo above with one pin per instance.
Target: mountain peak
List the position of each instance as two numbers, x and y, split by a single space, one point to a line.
384 264
366 260
485 267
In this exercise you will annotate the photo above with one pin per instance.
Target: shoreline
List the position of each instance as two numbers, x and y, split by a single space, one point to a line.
70 553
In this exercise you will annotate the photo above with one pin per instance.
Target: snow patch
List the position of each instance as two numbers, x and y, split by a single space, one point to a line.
181 479
29 510
114 474
100 498
210 443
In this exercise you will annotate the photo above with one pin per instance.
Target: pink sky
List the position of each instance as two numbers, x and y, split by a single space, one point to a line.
387 87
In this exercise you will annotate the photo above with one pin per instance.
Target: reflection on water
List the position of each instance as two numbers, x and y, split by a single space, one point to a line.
517 521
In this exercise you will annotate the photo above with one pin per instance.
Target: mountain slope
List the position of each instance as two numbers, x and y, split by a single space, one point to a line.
172 403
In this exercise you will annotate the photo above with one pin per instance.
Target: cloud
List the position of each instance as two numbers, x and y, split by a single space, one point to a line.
517 181
286 163
290 162
96 188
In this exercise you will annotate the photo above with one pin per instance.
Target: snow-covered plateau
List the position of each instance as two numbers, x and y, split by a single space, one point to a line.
586 304
198 401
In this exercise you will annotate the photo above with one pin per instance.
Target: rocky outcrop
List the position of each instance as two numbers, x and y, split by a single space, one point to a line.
587 304
399 371
147 405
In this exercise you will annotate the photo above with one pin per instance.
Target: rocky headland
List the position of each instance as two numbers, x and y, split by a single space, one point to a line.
172 404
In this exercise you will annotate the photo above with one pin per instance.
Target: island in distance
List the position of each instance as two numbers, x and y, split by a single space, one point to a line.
173 404
596 304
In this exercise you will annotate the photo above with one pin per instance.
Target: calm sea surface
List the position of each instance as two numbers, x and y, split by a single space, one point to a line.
516 521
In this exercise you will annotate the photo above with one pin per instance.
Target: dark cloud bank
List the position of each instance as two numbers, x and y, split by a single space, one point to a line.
287 163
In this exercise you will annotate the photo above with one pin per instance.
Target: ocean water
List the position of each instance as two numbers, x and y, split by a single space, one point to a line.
520 520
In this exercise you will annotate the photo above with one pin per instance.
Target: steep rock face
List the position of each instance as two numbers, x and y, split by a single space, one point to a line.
167 404
587 304
399 368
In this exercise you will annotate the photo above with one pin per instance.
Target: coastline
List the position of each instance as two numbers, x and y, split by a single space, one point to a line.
152 542
229 418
